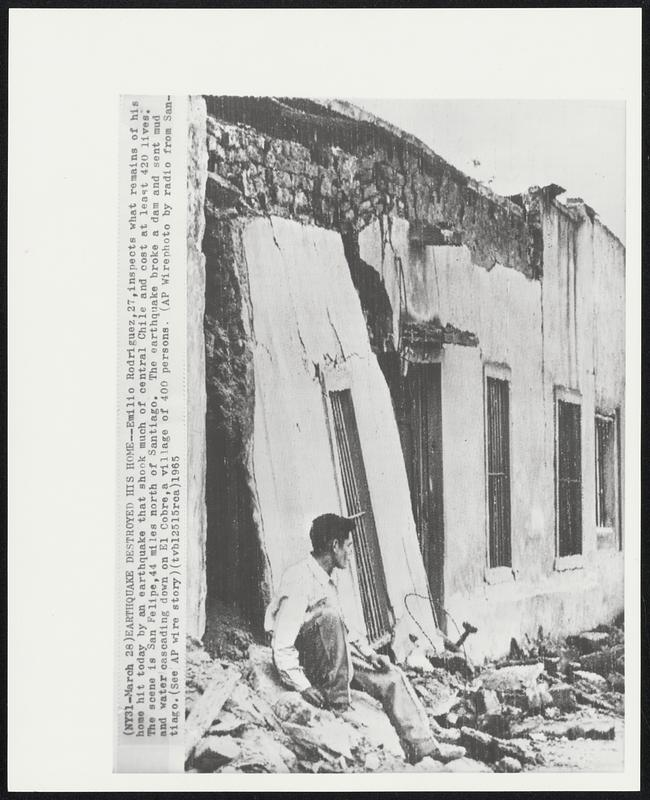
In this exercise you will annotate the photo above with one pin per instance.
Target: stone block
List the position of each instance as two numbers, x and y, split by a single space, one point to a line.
221 191
497 724
291 707
508 764
384 171
466 765
538 697
616 682
551 665
299 152
512 678
591 730
417 661
372 762
486 701
227 724
589 641
284 179
593 680
250 707
280 195
365 174
442 702
479 745
370 191
427 764
301 202
245 183
449 752
332 737
213 752
602 662
507 749
489 748
449 735
262 752
324 186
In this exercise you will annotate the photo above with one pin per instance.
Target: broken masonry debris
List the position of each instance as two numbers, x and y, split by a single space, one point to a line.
209 704
241 719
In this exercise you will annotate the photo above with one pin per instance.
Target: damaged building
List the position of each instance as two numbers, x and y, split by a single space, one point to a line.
369 329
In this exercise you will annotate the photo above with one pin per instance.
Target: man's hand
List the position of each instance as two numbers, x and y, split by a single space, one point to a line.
380 663
313 696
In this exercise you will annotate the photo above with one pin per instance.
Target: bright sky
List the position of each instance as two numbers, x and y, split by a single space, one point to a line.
513 144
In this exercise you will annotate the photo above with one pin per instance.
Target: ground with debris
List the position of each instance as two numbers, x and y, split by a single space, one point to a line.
552 705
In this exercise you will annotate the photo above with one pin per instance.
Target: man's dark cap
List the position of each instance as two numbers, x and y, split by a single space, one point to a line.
334 522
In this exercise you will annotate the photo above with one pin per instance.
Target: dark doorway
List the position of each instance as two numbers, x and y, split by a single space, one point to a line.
234 561
418 411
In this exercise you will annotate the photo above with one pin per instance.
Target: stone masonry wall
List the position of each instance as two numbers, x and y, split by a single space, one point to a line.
196 389
311 164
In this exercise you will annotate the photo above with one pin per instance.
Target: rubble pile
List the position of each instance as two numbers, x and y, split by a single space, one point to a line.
494 718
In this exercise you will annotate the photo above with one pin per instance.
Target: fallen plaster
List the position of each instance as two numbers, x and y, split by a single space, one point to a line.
551 704
306 312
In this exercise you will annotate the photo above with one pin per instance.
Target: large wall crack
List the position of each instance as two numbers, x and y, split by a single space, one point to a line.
375 303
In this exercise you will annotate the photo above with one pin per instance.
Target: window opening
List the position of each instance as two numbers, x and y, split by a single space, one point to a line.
370 570
498 472
569 479
607 480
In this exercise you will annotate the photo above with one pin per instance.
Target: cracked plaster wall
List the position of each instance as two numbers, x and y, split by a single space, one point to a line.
306 313
527 324
567 329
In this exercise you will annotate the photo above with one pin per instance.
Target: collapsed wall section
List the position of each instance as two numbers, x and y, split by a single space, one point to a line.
310 335
299 159
305 206
235 563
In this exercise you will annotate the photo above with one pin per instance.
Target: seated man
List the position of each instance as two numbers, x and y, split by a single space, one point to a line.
314 652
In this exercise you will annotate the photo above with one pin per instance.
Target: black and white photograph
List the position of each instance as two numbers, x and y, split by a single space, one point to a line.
406 547
324 413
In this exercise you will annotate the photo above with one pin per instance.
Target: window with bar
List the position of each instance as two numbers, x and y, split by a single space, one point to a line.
606 473
370 570
568 475
497 416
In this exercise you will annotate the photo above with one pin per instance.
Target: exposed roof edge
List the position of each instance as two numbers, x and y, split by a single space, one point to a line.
576 208
553 190
345 108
